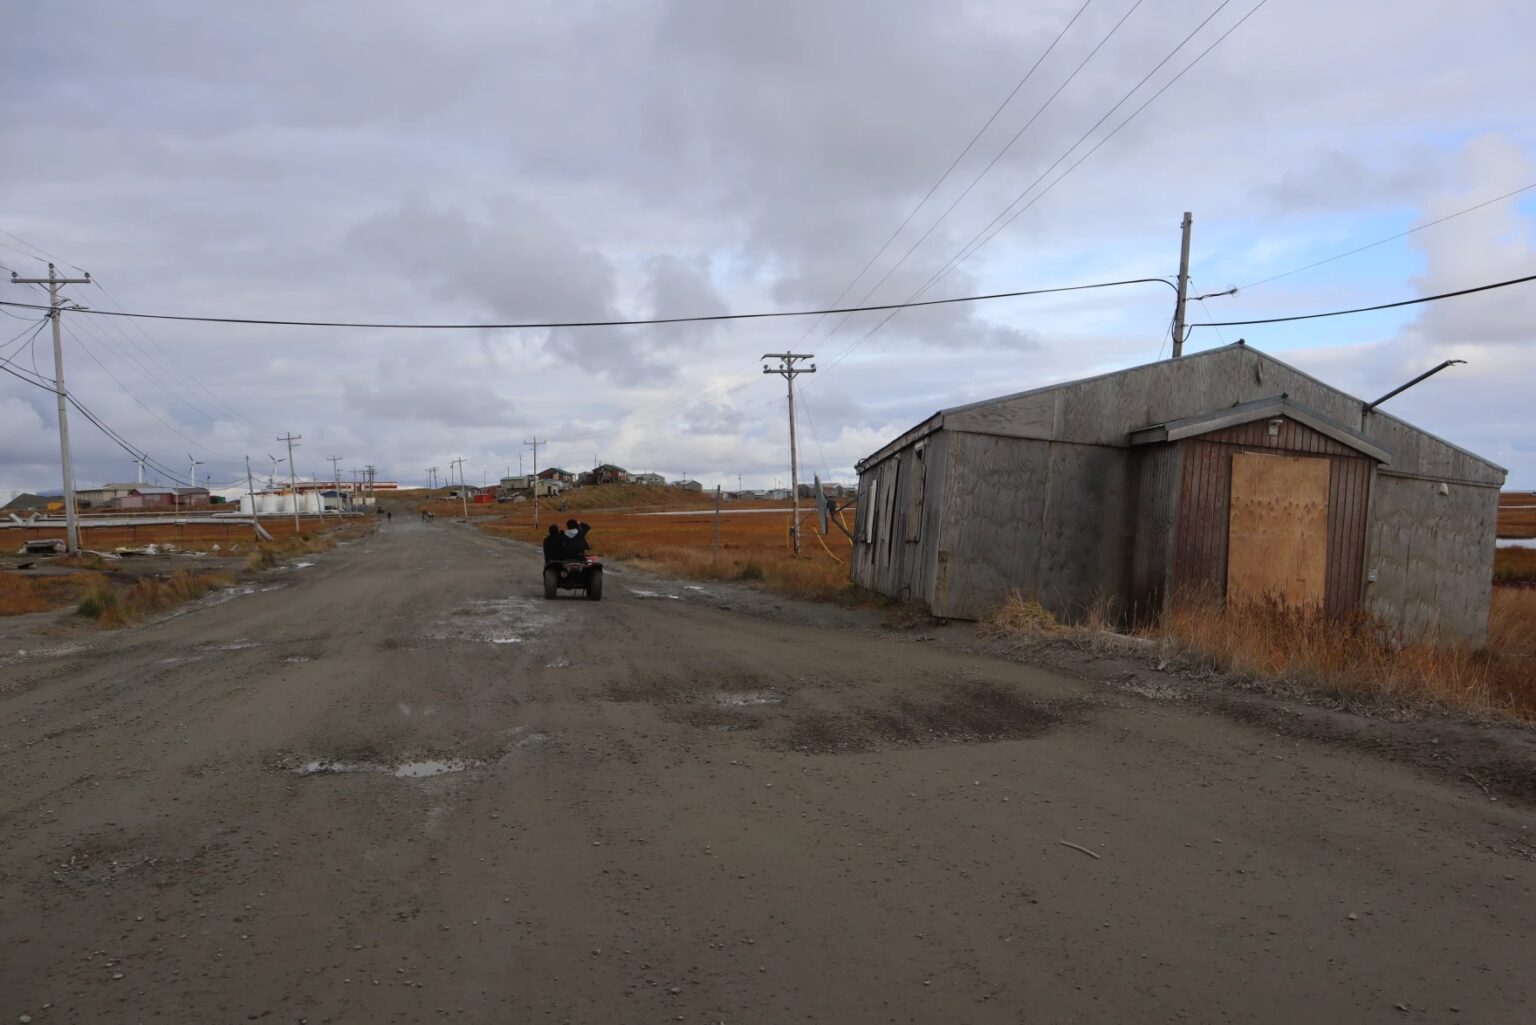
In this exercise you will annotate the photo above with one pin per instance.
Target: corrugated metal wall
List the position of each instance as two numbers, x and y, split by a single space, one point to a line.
1157 475
896 535
1200 549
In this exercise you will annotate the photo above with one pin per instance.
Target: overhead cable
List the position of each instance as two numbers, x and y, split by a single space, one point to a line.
1391 238
591 323
1369 309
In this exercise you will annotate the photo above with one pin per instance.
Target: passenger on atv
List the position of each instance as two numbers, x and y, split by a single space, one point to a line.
567 564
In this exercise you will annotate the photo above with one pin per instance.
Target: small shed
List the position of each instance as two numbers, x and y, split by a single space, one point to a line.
1226 474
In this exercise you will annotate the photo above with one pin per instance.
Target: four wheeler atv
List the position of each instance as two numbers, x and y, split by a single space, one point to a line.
584 574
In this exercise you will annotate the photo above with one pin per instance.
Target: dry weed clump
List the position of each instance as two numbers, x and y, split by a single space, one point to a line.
20 595
1359 657
1018 615
112 606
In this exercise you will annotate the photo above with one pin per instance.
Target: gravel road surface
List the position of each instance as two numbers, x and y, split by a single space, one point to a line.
397 785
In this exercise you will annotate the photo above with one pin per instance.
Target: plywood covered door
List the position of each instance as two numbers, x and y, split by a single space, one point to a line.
1277 528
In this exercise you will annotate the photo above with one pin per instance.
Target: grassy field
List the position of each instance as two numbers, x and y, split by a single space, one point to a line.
1514 567
190 535
1517 514
753 547
115 593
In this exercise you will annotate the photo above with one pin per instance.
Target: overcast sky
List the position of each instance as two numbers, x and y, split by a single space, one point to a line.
516 161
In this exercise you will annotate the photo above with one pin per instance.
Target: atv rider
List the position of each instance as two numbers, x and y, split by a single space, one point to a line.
575 535
568 545
554 544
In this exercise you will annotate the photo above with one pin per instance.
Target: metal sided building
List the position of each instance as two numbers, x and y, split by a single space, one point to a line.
1226 473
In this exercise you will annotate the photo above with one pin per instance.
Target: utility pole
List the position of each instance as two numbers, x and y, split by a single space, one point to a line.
432 483
371 471
293 482
463 498
714 541
250 488
336 473
53 281
1178 311
535 443
787 370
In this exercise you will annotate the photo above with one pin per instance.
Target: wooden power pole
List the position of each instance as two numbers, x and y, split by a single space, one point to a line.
1178 310
53 281
787 370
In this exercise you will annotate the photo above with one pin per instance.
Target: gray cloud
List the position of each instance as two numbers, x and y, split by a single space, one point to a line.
564 161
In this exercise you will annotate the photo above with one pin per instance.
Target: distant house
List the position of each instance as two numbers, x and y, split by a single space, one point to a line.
653 479
145 496
688 485
605 474
777 494
558 475
526 484
88 498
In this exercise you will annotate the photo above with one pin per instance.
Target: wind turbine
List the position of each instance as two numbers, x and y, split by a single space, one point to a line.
272 478
194 464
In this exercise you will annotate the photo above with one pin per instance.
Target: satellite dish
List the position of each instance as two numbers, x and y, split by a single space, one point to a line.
821 506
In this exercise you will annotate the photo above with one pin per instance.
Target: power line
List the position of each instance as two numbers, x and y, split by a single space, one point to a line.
129 392
978 242
1369 309
993 162
174 362
971 248
1393 238
956 163
585 323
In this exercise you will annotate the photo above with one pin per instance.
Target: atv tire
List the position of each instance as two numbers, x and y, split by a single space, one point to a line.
595 585
551 582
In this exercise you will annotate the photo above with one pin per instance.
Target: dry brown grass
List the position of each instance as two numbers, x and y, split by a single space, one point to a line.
199 536
1514 567
753 548
1517 514
113 606
1359 658
20 595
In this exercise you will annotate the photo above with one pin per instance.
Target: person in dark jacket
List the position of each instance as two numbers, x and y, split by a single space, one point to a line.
575 535
554 544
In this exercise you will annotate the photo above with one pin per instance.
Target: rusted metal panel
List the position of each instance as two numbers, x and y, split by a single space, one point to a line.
1348 505
1200 548
1154 507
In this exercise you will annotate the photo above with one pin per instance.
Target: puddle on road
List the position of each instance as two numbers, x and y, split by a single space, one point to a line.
653 594
239 644
492 621
405 770
746 698
26 654
559 663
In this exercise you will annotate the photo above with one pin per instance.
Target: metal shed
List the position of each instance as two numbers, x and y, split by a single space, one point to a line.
1226 473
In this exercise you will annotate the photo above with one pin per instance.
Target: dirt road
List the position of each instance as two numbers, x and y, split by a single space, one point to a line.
659 809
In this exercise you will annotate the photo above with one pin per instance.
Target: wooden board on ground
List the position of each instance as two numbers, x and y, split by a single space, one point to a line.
1277 532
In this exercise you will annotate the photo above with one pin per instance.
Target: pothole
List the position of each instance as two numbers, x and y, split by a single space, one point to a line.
405 770
747 698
